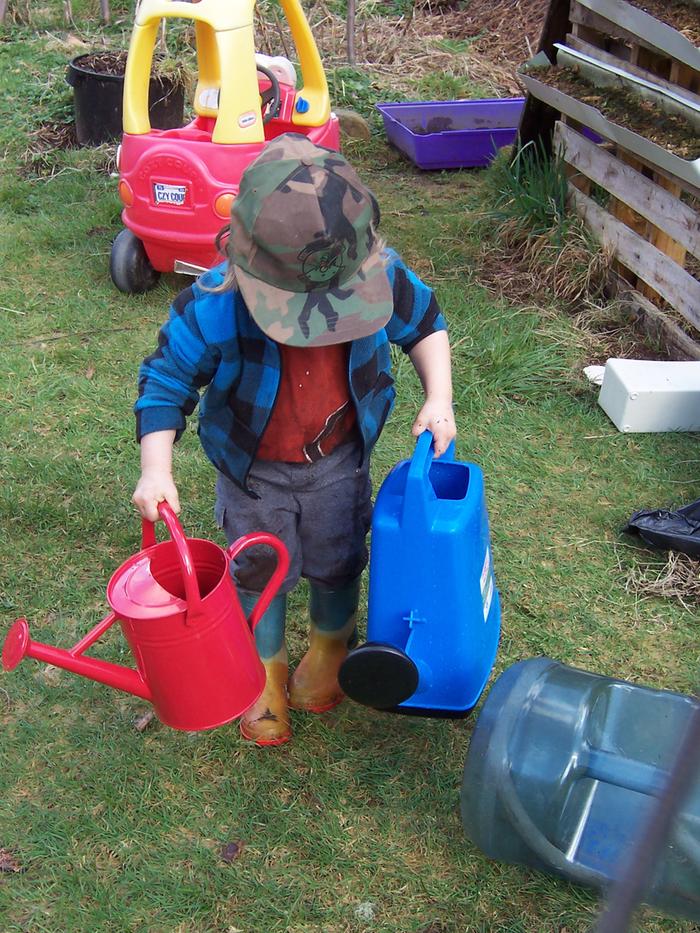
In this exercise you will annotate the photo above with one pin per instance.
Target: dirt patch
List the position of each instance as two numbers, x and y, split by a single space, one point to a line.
104 63
608 327
39 161
523 269
507 33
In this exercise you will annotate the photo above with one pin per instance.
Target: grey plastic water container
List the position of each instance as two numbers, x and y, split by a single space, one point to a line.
563 770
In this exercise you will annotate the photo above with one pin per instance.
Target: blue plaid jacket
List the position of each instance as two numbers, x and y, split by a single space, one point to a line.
211 340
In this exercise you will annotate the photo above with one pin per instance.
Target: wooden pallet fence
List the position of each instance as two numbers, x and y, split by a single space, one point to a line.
616 33
638 197
623 32
655 217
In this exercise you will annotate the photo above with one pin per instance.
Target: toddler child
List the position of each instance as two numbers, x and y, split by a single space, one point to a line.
291 338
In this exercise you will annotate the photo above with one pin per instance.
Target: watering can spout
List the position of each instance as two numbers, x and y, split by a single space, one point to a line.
19 645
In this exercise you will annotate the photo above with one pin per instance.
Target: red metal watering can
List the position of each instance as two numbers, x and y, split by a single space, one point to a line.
195 654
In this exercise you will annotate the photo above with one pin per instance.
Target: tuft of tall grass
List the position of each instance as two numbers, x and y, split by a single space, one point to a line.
528 222
529 192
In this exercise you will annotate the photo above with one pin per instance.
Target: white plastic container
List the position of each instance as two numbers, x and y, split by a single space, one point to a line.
644 395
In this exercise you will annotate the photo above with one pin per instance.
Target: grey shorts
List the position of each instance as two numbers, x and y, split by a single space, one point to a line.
321 511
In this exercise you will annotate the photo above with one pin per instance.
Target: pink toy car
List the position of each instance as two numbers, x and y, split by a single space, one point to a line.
177 185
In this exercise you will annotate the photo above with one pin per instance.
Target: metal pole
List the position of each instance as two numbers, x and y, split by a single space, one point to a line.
630 887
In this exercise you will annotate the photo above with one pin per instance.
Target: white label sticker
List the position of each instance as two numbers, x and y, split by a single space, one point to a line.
169 194
247 119
209 98
485 571
488 598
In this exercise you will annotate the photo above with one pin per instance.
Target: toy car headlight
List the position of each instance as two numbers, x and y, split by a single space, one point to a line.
222 205
125 193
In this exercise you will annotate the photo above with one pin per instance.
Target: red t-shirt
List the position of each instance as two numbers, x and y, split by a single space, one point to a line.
313 412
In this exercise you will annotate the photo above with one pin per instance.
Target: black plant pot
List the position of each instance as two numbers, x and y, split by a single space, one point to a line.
97 101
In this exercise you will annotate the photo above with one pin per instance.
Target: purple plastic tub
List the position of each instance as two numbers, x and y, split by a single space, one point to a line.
454 133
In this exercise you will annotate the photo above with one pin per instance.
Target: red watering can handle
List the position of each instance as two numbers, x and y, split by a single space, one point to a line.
277 578
148 539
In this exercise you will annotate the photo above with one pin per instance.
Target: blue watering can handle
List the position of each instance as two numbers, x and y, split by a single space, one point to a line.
422 459
418 492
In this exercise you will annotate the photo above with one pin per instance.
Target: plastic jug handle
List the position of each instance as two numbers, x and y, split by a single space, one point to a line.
277 578
535 838
419 492
521 820
189 576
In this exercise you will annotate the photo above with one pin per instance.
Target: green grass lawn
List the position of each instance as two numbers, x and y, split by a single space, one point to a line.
353 827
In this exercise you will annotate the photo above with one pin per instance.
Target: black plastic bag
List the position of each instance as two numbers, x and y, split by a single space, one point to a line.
674 531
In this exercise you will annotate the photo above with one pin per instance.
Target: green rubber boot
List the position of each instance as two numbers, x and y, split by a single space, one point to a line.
266 722
314 684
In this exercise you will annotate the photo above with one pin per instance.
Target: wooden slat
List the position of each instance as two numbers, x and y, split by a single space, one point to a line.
658 63
585 17
620 209
675 285
627 20
660 327
659 238
588 36
575 42
657 205
688 78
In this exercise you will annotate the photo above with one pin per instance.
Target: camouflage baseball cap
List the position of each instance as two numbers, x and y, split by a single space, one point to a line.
306 258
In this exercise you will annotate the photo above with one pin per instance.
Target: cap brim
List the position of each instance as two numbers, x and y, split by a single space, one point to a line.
361 306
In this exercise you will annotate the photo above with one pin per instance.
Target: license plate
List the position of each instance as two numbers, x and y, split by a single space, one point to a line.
169 194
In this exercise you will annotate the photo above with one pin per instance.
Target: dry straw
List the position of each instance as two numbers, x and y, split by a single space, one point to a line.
678 579
413 45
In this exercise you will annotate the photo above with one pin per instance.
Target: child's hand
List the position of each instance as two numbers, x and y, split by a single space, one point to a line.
153 487
437 417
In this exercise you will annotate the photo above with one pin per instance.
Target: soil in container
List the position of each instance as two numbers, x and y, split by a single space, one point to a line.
97 80
628 109
683 17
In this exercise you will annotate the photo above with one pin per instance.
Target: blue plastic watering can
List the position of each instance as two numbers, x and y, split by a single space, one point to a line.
434 612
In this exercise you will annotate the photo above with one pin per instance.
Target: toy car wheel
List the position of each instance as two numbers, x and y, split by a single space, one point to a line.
129 265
